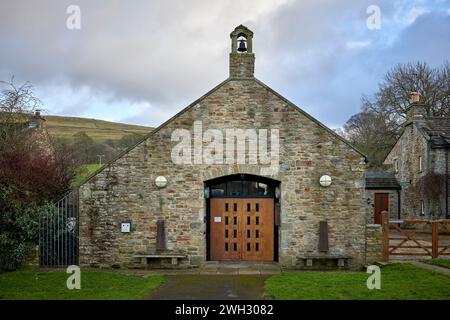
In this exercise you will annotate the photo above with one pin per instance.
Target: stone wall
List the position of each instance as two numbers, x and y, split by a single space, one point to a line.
374 243
125 189
407 150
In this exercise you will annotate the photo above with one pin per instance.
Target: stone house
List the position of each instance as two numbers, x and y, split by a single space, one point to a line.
174 196
420 163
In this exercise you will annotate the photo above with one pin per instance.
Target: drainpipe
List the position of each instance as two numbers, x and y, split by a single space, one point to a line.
399 206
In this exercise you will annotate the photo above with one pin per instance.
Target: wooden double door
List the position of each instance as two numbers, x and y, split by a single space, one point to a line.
242 229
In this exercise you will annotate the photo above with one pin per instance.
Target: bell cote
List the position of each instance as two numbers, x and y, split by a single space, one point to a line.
242 58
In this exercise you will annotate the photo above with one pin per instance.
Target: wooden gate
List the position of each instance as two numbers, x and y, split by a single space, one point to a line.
242 229
415 237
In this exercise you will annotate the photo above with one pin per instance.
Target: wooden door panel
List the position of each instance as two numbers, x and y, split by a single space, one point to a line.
258 225
381 204
242 229
224 229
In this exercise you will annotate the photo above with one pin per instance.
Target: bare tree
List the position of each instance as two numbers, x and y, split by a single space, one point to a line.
372 134
392 97
376 129
17 103
432 185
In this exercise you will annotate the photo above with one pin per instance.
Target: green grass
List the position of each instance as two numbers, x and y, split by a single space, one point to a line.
98 130
439 262
30 285
398 281
85 171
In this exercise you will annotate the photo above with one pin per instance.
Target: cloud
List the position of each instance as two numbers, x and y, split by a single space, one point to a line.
144 61
357 44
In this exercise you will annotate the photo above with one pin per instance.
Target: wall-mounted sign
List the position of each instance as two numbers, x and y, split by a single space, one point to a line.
217 219
125 226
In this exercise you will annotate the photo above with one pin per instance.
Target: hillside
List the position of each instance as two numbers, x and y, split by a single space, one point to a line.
98 130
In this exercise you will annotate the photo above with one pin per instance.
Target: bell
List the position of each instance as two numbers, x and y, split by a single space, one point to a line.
242 47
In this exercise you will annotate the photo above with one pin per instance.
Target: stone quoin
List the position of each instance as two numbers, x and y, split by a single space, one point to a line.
230 211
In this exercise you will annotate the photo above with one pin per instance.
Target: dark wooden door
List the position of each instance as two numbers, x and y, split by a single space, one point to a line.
242 229
381 204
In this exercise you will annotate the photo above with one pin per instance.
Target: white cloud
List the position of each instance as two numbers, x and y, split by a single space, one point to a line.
357 44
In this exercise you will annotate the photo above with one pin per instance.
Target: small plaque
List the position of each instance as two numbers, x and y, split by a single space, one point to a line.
217 219
125 227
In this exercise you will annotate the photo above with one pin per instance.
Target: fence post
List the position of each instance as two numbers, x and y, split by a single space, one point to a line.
385 231
434 238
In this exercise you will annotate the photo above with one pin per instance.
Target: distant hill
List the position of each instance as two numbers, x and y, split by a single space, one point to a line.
98 130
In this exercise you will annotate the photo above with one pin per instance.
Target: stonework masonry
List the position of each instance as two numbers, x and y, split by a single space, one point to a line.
374 243
124 189
407 152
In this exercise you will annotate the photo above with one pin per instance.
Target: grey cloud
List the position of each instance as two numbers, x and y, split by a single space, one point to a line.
168 53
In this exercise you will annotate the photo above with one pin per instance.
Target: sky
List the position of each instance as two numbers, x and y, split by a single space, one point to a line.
141 62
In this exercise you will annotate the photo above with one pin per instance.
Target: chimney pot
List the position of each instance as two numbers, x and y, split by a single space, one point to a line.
414 97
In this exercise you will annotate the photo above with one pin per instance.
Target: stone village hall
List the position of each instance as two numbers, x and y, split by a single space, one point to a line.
308 207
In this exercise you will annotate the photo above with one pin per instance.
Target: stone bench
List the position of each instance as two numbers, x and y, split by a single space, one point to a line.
144 257
340 260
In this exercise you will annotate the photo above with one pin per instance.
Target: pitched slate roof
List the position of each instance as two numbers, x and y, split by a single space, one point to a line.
437 131
381 180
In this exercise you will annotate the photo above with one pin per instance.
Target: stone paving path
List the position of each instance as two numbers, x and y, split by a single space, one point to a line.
430 267
211 287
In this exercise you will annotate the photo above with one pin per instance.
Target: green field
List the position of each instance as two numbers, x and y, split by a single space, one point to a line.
85 171
398 282
439 262
32 285
98 130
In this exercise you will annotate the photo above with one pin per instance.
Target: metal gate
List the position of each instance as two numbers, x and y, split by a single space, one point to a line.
59 233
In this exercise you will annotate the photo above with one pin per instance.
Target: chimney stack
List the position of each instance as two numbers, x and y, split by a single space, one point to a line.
416 110
414 97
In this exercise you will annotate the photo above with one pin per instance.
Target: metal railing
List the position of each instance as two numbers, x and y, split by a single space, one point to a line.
59 233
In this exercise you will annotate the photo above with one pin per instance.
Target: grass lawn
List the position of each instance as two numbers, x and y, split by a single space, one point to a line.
398 281
439 262
31 285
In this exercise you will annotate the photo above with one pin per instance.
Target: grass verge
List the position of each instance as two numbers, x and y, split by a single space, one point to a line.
439 262
26 284
398 282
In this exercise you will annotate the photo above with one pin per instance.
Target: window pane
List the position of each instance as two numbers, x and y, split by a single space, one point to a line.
218 190
234 188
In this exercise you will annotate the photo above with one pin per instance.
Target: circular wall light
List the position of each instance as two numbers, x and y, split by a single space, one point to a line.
325 181
206 192
161 181
277 192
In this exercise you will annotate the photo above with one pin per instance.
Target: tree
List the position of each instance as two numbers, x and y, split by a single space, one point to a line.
372 134
377 127
85 147
34 170
432 185
129 140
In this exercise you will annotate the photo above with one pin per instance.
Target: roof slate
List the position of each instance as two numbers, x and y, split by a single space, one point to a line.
381 180
438 131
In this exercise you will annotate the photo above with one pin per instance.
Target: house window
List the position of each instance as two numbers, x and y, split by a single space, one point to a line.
396 165
420 163
422 207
